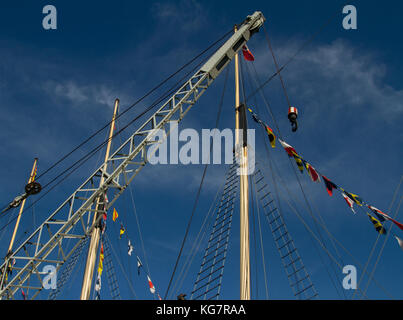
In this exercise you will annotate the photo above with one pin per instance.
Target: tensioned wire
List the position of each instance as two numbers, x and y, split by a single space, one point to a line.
242 79
137 224
317 228
199 190
95 150
388 234
256 79
306 43
323 226
196 245
254 238
130 107
261 240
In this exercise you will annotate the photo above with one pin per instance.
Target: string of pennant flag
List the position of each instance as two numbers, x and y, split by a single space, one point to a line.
130 250
316 176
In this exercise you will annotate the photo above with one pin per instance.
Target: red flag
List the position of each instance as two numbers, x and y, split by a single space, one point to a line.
23 294
152 288
387 217
349 201
329 185
312 172
272 137
247 54
290 150
399 241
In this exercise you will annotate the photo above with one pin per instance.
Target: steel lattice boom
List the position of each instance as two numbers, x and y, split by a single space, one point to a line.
45 245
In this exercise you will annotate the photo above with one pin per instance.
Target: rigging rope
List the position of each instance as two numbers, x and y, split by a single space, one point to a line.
125 111
93 152
299 182
137 102
302 47
261 241
199 190
196 244
276 64
386 238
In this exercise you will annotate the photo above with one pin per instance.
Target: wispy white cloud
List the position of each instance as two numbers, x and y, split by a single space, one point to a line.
186 15
336 76
77 94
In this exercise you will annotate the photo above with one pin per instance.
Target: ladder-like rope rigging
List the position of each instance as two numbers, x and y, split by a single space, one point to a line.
294 267
209 278
68 268
110 273
256 80
200 187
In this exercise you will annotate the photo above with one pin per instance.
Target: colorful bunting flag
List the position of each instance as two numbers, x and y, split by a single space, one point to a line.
290 150
255 117
312 172
130 249
298 160
387 217
354 197
98 287
152 288
139 265
23 294
101 259
349 201
247 54
379 216
399 241
272 137
115 215
121 231
34 174
329 185
378 226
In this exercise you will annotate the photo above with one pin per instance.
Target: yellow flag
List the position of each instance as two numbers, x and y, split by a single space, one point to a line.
115 215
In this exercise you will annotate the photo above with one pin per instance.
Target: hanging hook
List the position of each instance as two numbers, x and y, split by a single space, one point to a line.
294 125
292 116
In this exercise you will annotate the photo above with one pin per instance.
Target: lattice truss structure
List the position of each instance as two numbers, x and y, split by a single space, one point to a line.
71 220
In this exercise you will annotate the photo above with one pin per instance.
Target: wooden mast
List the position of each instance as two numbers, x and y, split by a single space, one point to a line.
95 236
242 154
31 179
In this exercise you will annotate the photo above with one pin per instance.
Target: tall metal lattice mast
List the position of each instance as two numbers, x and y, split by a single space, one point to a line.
112 178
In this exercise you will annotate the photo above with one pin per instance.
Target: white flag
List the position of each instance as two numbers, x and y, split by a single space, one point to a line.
152 288
349 201
400 241
130 249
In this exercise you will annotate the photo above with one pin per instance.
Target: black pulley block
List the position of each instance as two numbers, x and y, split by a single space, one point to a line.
33 188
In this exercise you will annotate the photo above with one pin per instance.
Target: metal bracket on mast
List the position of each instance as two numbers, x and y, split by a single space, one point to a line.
68 221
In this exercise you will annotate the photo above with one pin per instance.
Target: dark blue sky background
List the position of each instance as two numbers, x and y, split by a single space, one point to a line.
57 87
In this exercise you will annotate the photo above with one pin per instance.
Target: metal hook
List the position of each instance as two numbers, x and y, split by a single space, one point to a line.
294 125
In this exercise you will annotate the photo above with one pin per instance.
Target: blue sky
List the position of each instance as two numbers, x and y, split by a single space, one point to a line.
57 87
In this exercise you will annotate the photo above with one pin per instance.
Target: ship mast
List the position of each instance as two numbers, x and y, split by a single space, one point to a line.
31 179
96 232
241 152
